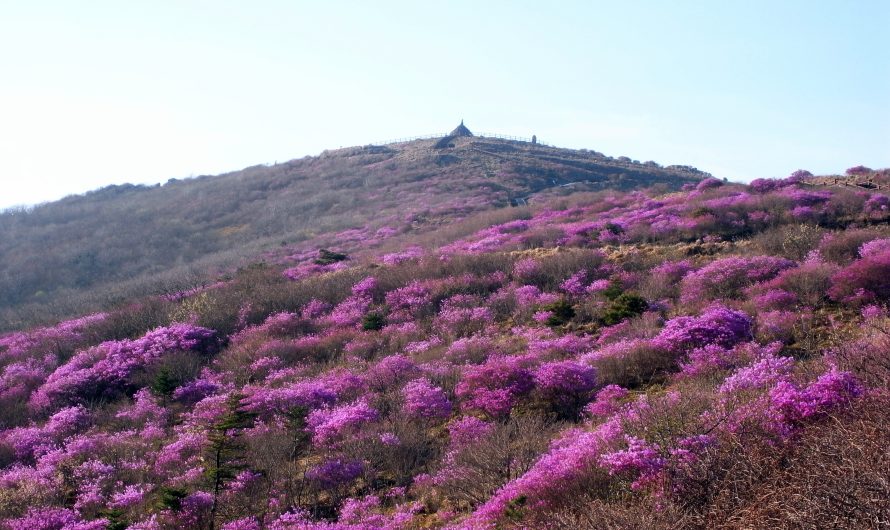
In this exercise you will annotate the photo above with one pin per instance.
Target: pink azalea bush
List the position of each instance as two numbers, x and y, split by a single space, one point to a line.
496 386
423 400
718 326
102 370
330 425
725 278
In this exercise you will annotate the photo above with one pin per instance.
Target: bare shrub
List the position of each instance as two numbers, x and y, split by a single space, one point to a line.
504 455
280 456
134 321
641 364
395 464
541 237
789 241
581 511
838 476
176 367
810 282
866 355
558 266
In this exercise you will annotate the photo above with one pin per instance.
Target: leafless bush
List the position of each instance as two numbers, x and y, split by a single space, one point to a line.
837 476
809 282
504 455
642 364
396 464
280 456
134 321
541 237
558 266
13 412
789 241
866 355
178 367
586 512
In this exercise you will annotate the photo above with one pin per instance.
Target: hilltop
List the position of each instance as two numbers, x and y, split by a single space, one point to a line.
92 251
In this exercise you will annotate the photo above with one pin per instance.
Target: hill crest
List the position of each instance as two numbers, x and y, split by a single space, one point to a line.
81 252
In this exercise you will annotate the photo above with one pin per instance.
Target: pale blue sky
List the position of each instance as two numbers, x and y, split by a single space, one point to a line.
101 92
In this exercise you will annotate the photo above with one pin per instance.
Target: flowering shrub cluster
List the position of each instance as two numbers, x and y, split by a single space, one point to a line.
565 384
330 425
716 326
865 279
628 355
496 386
422 400
725 278
101 371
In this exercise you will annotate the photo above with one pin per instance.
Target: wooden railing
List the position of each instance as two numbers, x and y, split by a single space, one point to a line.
442 135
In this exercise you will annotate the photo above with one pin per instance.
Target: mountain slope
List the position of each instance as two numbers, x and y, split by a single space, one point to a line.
84 252
715 357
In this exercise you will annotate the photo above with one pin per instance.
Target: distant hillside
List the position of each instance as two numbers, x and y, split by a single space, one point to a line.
88 251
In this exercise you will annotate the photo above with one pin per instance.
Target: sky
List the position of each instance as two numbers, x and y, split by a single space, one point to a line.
107 92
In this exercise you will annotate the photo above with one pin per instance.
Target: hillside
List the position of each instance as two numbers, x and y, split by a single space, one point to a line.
715 356
89 251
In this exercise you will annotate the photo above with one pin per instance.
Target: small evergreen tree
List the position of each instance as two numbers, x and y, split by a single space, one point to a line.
164 383
297 426
613 291
373 322
116 519
171 498
226 449
562 311
327 257
624 306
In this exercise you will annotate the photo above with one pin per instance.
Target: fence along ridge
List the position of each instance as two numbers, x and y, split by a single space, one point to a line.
442 135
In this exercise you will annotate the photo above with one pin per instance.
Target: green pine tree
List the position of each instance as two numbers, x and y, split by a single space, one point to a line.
226 449
164 383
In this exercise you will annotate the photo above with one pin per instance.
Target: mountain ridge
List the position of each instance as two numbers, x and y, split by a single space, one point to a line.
89 250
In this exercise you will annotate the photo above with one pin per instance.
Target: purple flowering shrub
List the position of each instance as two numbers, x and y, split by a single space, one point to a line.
763 397
55 519
496 386
774 299
830 390
784 326
727 277
867 278
407 303
717 325
279 401
606 402
565 386
461 317
391 370
425 401
330 425
335 474
101 371
713 359
474 349
468 430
